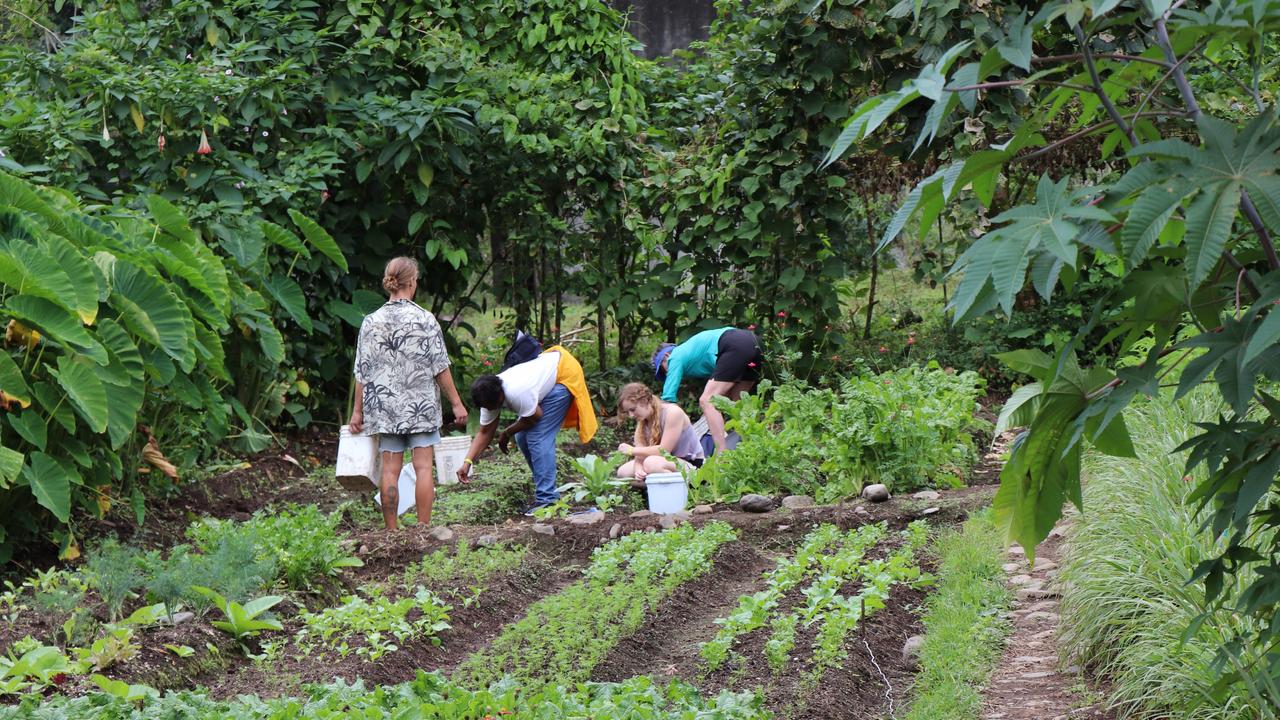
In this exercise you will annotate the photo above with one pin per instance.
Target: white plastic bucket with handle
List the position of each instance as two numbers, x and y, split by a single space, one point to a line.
668 492
450 452
358 460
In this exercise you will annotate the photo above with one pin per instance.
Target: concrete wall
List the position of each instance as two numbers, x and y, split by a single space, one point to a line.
667 25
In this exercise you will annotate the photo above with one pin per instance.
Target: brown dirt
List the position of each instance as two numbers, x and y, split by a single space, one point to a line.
1030 683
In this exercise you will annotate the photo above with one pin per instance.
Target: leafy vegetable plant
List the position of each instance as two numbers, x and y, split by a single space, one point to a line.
243 621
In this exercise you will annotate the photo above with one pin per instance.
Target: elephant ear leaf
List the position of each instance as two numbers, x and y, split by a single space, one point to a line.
51 482
153 312
170 219
84 390
319 239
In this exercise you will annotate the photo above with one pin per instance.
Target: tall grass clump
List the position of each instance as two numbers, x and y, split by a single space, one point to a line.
1126 603
964 628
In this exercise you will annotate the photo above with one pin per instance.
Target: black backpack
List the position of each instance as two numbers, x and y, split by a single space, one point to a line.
524 348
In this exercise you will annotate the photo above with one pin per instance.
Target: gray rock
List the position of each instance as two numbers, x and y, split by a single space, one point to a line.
911 649
702 509
641 513
862 511
615 531
756 503
441 533
795 502
927 495
1013 567
930 511
876 493
1023 579
487 540
588 518
783 528
670 520
181 617
544 529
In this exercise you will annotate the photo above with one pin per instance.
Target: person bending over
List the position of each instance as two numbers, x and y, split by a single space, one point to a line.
546 393
730 360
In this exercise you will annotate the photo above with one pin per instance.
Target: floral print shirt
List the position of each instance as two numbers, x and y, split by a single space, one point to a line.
399 353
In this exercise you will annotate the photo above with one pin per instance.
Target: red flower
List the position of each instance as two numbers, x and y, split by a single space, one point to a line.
487 363
782 313
911 339
884 349
204 148
752 326
160 142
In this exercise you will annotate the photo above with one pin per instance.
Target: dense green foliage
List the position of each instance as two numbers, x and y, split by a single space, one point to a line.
963 628
112 321
1126 604
1179 201
908 428
427 696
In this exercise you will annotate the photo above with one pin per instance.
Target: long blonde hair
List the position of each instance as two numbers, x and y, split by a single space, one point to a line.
649 430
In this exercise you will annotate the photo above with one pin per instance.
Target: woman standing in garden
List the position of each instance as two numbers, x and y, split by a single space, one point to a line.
401 364
729 358
547 393
660 427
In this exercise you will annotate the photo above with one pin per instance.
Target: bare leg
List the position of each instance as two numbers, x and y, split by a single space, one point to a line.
425 488
392 462
715 421
628 469
656 464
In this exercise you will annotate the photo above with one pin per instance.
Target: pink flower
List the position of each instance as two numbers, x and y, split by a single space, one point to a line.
884 349
782 313
752 326
160 142
204 148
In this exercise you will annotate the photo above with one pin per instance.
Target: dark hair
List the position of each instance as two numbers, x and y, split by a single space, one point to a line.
486 392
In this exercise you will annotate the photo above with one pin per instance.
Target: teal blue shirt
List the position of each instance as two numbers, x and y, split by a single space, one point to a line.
695 357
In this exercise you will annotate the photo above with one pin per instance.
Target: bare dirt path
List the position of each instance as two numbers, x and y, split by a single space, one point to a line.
1030 683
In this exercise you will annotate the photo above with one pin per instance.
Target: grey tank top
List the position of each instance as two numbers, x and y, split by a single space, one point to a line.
688 446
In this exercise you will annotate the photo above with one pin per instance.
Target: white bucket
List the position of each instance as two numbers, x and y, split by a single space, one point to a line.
668 492
408 487
358 460
450 453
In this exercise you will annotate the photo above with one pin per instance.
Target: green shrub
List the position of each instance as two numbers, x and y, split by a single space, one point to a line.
301 540
963 627
113 572
1126 602
908 428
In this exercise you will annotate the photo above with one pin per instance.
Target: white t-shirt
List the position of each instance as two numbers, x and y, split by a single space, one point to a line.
524 386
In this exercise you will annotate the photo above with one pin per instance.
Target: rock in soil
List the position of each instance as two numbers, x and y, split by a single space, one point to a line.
587 518
615 531
927 495
911 648
702 509
876 493
544 529
671 520
442 533
487 540
181 617
795 502
930 511
641 513
862 511
756 503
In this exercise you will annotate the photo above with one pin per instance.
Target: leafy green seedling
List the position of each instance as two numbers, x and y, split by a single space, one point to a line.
125 691
242 621
182 651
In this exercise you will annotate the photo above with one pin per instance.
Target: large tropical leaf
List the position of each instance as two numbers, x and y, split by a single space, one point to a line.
319 239
10 466
284 238
126 366
51 482
170 219
289 295
90 287
12 383
58 323
153 312
28 270
122 411
202 269
84 390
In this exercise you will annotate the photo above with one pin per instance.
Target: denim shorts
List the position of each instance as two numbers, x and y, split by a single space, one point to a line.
393 443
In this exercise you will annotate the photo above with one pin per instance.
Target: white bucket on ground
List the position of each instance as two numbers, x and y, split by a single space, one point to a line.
450 453
668 492
408 488
358 460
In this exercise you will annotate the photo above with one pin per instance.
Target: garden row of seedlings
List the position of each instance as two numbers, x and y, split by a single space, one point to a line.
823 592
558 642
